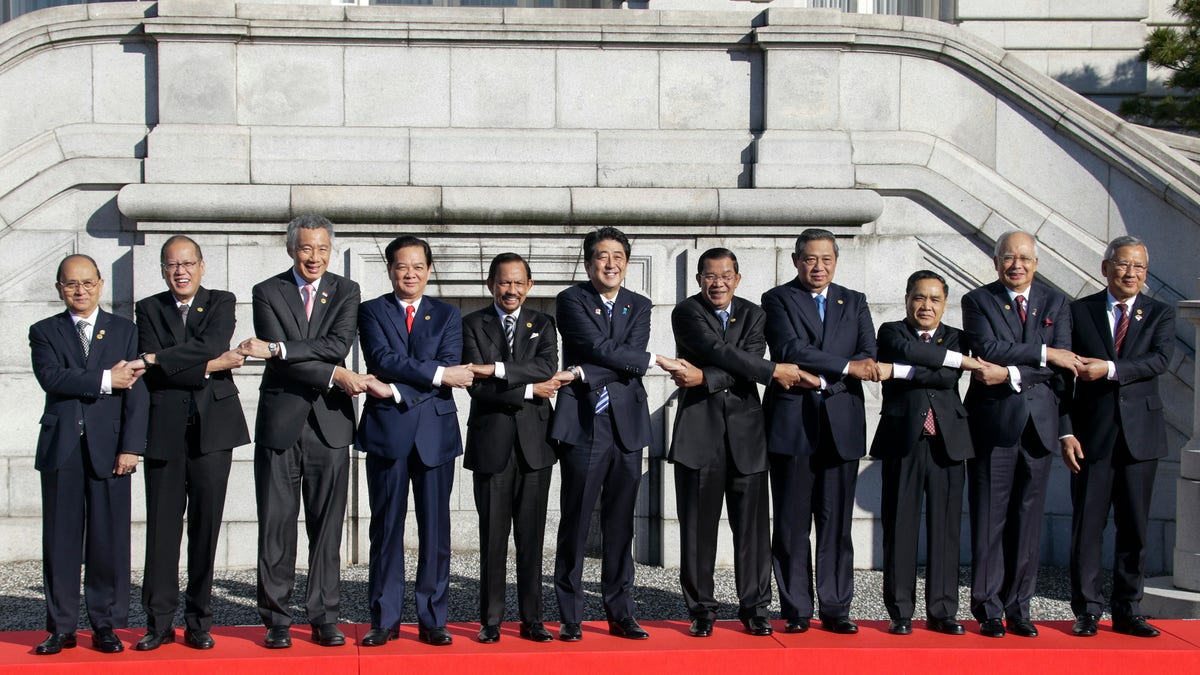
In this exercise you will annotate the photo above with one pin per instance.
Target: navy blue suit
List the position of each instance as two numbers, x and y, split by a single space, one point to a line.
1013 433
600 451
416 439
85 508
814 441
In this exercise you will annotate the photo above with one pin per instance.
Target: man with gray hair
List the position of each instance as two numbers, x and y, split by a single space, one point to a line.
305 321
1115 434
1021 328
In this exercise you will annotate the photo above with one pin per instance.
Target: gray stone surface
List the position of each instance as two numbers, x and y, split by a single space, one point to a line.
397 87
307 156
502 88
611 89
502 157
706 89
60 100
197 82
290 85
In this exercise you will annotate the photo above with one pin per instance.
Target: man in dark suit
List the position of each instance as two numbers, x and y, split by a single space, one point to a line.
196 420
923 440
1115 434
603 422
515 350
718 446
305 322
93 431
815 437
1021 327
412 345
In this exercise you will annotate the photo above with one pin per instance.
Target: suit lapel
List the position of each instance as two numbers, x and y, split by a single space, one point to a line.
170 318
493 330
1033 301
1135 322
327 290
289 295
1008 310
99 343
736 320
521 335
196 315
423 321
1098 311
804 304
66 328
620 316
395 314
835 308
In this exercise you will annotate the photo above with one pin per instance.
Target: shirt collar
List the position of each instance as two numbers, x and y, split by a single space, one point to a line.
501 313
931 332
301 283
416 304
1012 295
91 318
1112 302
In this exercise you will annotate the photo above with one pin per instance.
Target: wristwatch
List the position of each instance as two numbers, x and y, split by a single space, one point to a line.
574 370
273 347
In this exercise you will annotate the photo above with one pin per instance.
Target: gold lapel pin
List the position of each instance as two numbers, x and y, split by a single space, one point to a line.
426 317
732 319
939 341
323 301
528 324
1007 307
1138 311
199 309
841 301
100 335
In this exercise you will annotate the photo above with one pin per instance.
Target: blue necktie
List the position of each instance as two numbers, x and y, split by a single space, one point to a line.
724 314
602 402
820 300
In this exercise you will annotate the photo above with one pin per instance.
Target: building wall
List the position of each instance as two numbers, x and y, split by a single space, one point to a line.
486 130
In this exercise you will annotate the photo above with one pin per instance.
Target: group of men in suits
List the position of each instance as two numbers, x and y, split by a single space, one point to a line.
164 389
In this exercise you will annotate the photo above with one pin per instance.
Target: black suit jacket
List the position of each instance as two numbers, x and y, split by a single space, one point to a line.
796 335
726 407
177 383
1130 406
612 355
500 415
114 423
294 387
994 332
906 402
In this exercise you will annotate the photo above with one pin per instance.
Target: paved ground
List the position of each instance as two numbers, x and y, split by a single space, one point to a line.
657 595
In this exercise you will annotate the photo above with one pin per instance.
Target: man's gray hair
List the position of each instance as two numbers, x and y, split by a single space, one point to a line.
1123 241
1003 239
307 222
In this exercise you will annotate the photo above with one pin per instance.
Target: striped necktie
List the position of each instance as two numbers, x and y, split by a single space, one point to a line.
602 402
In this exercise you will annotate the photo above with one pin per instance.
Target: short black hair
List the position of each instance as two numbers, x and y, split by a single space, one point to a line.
603 234
507 258
404 241
63 262
162 252
816 234
920 275
717 254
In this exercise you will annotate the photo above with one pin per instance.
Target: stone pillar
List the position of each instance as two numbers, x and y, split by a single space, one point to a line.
1179 596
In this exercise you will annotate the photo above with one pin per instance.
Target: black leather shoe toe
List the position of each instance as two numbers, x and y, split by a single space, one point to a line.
105 640
438 637
796 626
1086 625
945 626
489 634
536 632
55 643
701 628
758 625
328 635
278 637
900 627
1022 627
991 628
377 637
1136 626
199 639
570 632
840 625
154 639
629 629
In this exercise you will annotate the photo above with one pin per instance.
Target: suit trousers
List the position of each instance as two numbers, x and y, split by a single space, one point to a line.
85 513
925 471
698 496
387 489
600 471
513 500
816 488
318 474
1126 485
1007 500
193 484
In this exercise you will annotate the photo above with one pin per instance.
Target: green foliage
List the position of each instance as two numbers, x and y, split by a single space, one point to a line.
1176 49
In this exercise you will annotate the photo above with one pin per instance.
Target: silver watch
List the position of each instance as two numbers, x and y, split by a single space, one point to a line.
273 347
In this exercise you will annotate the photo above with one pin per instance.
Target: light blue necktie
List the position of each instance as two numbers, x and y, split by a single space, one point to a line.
820 300
724 314
602 402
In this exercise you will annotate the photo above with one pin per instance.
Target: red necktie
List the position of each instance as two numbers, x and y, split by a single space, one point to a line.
409 313
1122 327
1021 308
930 425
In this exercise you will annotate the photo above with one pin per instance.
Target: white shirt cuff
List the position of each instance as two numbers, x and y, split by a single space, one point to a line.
952 360
1014 375
653 358
1112 370
580 374
902 371
395 393
282 351
824 384
437 377
500 373
1043 363
529 392
106 382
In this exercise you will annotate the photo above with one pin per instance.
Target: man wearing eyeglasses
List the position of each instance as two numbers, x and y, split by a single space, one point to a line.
196 420
1115 434
1022 328
718 447
93 429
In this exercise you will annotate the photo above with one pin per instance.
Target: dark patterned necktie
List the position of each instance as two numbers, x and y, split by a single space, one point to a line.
81 328
1021 308
510 330
183 310
1122 327
930 425
602 402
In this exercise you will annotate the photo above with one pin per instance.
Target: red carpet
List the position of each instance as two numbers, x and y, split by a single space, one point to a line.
670 649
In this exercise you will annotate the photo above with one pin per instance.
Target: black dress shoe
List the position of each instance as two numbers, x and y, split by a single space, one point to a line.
199 639
945 626
796 626
536 632
105 640
900 627
489 634
438 637
55 643
570 632
991 628
840 625
1086 625
377 637
278 637
1022 627
701 627
328 635
629 629
153 640
758 625
1135 626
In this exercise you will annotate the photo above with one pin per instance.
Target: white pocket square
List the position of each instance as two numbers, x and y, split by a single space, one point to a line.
534 335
